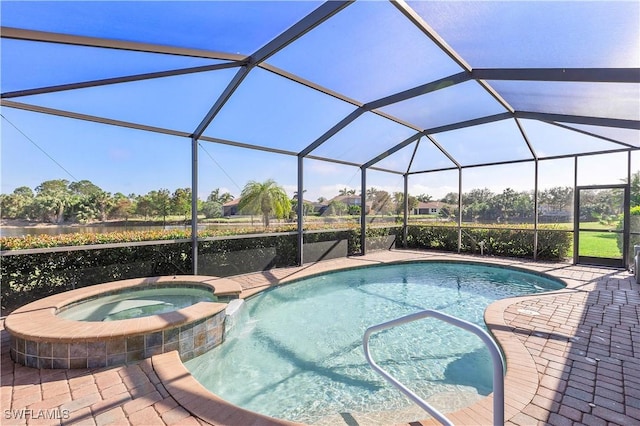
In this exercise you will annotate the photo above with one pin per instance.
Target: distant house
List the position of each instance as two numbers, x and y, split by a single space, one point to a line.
431 207
317 207
548 214
349 200
230 208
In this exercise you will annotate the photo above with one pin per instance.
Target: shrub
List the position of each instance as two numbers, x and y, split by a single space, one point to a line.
634 239
27 277
553 244
432 237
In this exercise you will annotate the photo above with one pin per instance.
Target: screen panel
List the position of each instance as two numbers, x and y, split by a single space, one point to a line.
224 169
399 161
227 26
333 192
555 194
384 198
364 138
489 198
602 169
549 140
177 102
115 159
437 196
453 104
430 157
272 111
353 56
533 34
486 143
28 65
609 100
626 136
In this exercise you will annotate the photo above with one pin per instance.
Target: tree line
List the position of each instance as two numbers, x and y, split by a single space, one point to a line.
60 201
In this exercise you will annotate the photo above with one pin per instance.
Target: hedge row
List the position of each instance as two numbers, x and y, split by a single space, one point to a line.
85 238
553 244
27 277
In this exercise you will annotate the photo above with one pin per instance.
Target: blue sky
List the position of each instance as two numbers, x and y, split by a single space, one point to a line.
346 54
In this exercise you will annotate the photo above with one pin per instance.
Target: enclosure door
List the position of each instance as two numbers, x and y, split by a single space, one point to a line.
601 224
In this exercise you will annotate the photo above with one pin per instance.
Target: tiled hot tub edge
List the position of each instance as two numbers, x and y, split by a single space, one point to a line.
41 339
190 340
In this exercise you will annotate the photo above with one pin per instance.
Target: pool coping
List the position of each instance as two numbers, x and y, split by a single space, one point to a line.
201 402
521 379
37 321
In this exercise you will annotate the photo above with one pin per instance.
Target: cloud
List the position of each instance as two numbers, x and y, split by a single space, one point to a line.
290 189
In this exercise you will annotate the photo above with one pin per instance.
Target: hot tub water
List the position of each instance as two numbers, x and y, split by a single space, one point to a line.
136 303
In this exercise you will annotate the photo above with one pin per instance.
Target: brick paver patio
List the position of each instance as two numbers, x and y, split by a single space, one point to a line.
573 357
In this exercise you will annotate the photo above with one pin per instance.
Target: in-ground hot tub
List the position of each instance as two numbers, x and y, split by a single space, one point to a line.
122 321
137 302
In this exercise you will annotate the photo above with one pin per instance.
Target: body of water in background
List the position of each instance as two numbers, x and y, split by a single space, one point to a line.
21 231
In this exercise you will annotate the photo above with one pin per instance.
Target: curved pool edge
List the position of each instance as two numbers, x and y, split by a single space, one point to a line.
521 378
199 401
585 282
521 383
516 265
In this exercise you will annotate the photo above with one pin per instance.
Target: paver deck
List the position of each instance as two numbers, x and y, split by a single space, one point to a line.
573 357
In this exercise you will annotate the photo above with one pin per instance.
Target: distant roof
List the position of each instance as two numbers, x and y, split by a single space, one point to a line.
345 198
234 202
431 205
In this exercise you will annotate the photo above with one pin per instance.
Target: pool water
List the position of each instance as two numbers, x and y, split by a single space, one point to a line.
297 353
137 303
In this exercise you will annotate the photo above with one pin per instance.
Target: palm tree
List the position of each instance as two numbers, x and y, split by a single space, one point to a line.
423 198
265 198
371 193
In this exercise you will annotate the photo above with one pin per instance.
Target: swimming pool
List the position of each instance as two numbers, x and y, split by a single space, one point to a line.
297 353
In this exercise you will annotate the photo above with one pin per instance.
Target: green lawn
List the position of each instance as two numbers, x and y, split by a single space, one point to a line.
599 244
594 244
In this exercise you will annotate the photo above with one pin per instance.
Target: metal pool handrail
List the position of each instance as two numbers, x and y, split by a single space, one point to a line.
496 355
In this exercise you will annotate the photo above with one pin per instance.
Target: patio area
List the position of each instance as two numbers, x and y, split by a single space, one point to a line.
572 357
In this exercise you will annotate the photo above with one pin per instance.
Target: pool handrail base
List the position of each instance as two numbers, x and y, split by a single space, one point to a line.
494 350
